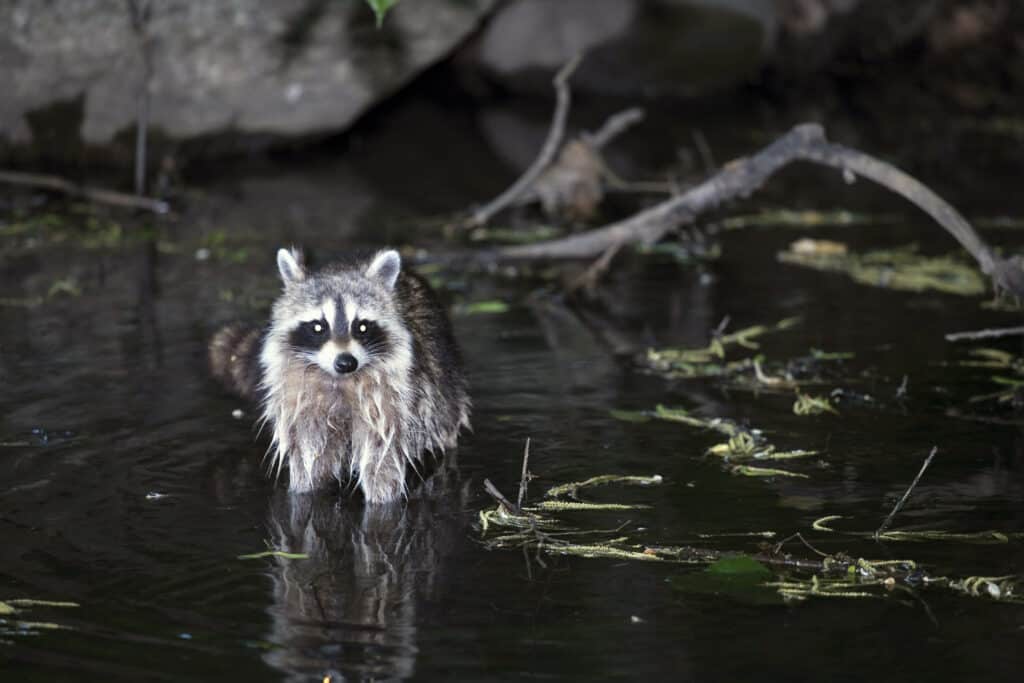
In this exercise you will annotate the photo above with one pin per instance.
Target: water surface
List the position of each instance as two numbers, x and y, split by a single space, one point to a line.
130 489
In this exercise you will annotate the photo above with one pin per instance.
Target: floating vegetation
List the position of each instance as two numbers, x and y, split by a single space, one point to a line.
993 358
999 222
81 226
995 587
806 404
21 302
752 372
718 424
900 269
604 550
576 505
769 573
482 307
219 246
989 537
682 252
996 359
744 444
789 218
638 416
11 626
1010 126
709 361
818 354
68 286
572 489
751 471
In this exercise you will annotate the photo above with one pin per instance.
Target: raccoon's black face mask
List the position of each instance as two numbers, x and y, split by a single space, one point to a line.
342 320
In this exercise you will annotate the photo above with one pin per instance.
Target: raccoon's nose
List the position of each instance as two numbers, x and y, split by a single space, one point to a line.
345 363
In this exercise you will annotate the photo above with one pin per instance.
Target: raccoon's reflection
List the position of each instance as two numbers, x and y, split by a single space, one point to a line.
351 610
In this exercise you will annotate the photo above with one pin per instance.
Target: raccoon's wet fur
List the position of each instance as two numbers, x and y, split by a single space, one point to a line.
358 373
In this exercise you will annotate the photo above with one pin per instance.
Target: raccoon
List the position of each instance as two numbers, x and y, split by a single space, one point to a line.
358 373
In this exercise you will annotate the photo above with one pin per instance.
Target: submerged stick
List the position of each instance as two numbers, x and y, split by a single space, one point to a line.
547 153
64 186
906 494
740 178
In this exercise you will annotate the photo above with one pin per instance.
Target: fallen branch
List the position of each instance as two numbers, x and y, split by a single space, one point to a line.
547 153
986 334
58 184
740 178
906 494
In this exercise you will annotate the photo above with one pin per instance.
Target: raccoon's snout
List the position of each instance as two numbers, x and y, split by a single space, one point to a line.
345 363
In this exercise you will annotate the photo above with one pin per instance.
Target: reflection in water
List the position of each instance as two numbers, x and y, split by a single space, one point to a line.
350 611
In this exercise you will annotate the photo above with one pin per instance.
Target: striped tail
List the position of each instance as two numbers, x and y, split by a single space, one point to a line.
234 356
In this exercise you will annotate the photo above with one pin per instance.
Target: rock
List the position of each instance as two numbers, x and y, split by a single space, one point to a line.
633 47
73 69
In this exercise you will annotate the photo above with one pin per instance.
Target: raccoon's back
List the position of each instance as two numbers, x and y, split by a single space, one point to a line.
234 356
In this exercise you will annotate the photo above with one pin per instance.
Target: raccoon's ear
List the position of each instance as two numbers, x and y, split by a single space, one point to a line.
289 264
385 267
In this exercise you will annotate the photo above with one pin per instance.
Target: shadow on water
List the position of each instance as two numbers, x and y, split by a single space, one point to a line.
129 489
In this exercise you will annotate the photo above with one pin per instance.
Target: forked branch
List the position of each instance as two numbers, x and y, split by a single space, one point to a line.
741 177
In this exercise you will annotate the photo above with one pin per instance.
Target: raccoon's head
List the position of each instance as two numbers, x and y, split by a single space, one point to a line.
342 321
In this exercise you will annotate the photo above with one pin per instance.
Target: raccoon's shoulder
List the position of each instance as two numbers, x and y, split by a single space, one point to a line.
427 319
418 301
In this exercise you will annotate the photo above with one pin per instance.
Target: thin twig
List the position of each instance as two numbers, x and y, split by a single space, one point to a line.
800 537
906 494
616 125
547 153
741 177
704 150
58 184
985 334
524 479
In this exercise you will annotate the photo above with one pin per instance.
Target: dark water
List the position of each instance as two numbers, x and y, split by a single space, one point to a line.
129 488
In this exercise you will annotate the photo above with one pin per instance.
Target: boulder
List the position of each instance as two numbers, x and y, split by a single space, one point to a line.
633 47
74 69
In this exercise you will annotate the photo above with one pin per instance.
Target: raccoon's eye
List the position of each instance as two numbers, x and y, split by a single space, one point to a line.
316 328
310 334
361 328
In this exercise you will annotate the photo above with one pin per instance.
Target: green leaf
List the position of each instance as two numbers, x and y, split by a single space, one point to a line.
478 307
380 8
739 564
739 578
630 415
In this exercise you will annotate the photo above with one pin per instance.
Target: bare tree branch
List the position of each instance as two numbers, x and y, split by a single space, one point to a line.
616 125
547 153
740 178
100 196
